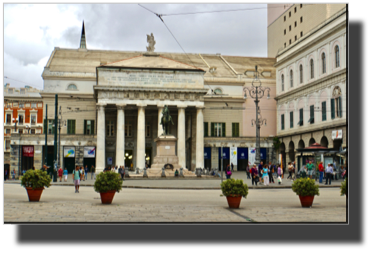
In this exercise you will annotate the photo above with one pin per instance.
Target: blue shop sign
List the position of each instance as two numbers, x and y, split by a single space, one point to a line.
242 153
207 152
226 153
263 153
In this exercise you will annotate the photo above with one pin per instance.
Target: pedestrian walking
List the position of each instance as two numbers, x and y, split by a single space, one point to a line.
122 172
228 171
60 173
270 172
279 171
265 175
260 171
329 171
321 170
310 167
254 173
131 167
290 170
81 173
85 172
232 167
248 172
65 173
14 174
92 171
76 178
5 174
119 171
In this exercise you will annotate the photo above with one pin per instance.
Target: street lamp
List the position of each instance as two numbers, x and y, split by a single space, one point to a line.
257 92
61 123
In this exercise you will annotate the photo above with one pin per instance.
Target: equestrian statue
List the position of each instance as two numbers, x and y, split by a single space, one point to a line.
166 119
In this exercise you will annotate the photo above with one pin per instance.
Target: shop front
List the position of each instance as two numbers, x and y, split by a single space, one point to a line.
69 158
226 157
27 159
242 158
89 154
207 157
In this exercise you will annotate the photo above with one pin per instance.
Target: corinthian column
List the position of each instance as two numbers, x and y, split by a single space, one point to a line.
199 155
140 157
100 139
160 131
181 141
120 135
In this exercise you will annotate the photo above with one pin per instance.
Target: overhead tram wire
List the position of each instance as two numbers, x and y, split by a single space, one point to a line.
6 77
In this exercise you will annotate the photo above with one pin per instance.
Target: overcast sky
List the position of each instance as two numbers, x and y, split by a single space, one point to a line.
32 31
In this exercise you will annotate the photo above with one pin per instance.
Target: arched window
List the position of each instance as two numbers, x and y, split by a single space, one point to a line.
301 74
311 69
323 63
291 78
218 91
337 63
72 87
282 82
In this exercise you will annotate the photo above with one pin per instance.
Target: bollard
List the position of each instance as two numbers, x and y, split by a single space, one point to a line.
145 174
126 174
163 172
181 172
198 172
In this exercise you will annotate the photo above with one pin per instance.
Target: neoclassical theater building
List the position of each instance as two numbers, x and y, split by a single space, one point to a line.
111 104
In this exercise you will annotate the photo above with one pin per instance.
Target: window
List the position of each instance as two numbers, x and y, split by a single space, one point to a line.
20 119
284 31
7 131
10 91
235 129
300 5
284 18
284 44
311 69
282 122
332 108
295 38
128 129
291 78
301 74
295 10
290 28
295 24
9 119
34 105
218 129
72 87
217 91
282 82
15 104
301 19
323 111
20 131
110 128
22 91
21 105
50 126
311 120
32 131
205 128
71 127
89 127
338 104
147 131
7 144
291 119
290 14
337 63
301 117
290 42
323 63
301 33
9 105
33 120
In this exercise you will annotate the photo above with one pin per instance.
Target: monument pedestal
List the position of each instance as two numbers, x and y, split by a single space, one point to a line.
166 157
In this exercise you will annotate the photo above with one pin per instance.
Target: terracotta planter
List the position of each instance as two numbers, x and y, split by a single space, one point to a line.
234 201
34 194
107 197
306 201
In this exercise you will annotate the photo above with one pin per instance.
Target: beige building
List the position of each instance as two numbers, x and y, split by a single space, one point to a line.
311 86
290 24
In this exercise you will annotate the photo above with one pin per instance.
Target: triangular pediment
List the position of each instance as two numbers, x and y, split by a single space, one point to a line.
151 62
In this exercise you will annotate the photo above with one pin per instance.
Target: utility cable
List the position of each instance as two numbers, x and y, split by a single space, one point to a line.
22 82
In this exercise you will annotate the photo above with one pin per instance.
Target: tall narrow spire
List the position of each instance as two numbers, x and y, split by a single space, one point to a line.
83 38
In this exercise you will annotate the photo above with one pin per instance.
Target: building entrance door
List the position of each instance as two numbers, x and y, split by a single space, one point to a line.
128 158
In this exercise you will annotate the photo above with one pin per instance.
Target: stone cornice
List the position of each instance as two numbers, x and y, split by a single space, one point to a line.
300 130
47 74
311 87
142 89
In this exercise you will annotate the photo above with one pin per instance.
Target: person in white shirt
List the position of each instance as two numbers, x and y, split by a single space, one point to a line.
329 172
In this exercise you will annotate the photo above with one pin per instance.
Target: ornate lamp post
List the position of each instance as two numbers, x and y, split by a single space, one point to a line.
257 92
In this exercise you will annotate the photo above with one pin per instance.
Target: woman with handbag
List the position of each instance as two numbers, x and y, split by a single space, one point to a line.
265 175
228 171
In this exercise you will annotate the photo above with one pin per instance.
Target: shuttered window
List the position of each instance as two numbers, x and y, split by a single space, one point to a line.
218 129
332 108
300 122
282 122
323 111
70 127
49 126
205 128
291 119
235 129
311 120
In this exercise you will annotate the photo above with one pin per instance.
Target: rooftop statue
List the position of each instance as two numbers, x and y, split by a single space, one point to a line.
151 41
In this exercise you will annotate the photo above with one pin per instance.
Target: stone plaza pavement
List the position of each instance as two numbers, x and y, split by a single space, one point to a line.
61 204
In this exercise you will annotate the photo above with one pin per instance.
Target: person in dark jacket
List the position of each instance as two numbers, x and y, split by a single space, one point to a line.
228 171
261 168
248 172
270 172
254 174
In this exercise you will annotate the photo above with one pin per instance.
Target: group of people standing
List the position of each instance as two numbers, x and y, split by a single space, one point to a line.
83 173
264 173
115 169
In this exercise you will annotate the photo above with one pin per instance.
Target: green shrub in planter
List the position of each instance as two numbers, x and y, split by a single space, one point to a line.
35 179
107 181
232 187
305 187
343 188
